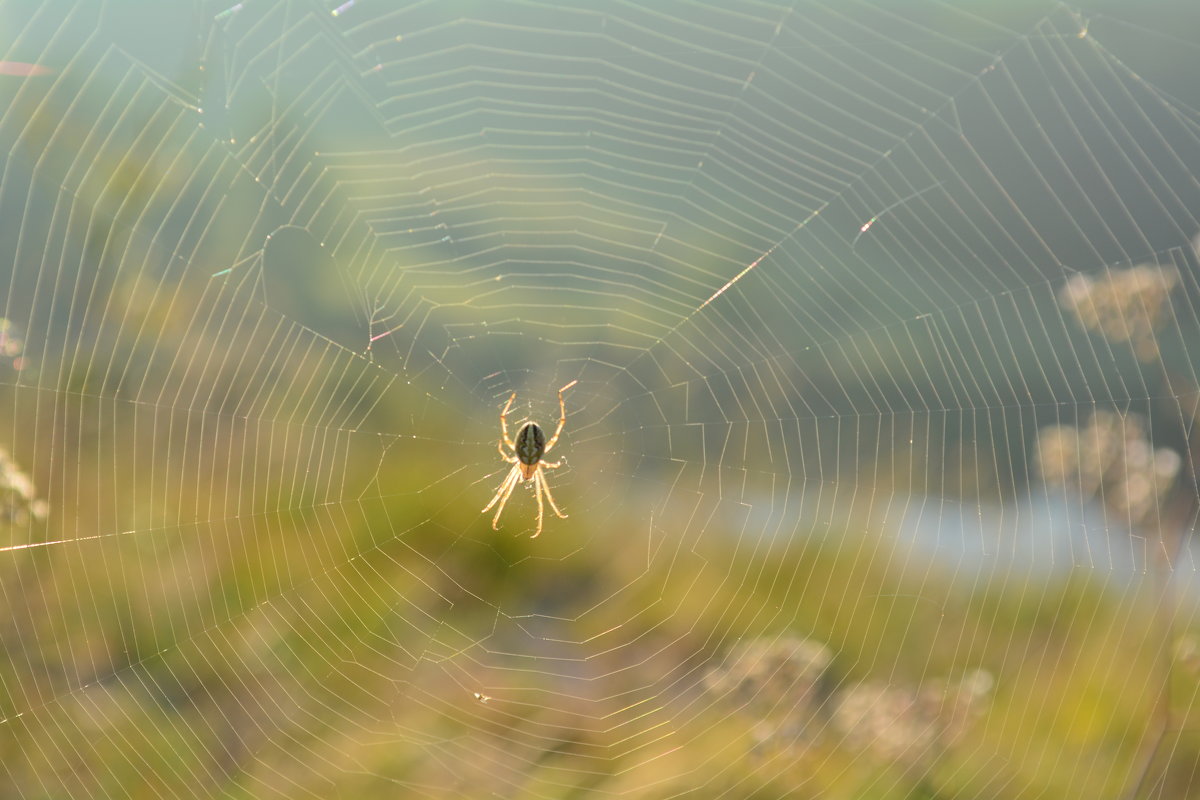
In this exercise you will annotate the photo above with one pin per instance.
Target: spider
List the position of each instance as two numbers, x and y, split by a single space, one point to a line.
529 448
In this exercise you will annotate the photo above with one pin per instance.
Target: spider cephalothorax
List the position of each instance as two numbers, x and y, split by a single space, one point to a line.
529 448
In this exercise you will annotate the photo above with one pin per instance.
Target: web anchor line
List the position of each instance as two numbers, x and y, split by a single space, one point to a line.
866 226
758 260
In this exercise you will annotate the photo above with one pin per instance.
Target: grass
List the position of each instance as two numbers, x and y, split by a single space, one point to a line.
390 642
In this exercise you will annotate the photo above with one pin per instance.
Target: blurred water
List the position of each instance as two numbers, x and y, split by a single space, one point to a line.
1040 534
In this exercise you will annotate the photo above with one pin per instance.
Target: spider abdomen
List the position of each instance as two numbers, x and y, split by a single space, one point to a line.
530 444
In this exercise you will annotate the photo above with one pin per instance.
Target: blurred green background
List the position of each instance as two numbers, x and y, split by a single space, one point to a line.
879 468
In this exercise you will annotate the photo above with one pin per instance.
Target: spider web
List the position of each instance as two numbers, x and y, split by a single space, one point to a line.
879 468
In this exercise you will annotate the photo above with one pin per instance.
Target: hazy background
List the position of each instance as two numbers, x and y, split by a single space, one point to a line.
879 467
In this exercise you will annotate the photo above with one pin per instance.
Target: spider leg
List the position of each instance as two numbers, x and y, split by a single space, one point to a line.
537 489
552 464
496 519
550 497
512 484
502 494
562 419
504 421
504 455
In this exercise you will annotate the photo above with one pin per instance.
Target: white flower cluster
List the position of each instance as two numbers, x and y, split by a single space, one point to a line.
785 686
769 671
779 682
1111 457
911 725
19 502
12 344
1125 306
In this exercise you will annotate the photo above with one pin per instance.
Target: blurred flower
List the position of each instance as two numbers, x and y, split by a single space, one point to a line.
769 670
909 726
1124 306
1111 457
780 681
785 686
12 345
19 502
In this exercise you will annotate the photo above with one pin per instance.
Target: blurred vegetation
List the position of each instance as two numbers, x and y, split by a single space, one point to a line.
221 617
394 644
246 561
